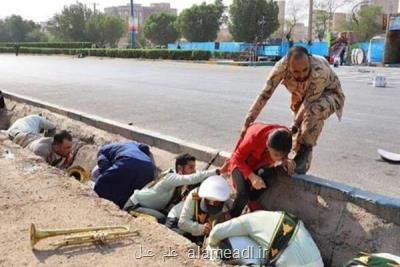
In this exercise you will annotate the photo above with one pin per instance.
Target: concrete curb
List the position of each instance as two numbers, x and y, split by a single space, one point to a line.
382 206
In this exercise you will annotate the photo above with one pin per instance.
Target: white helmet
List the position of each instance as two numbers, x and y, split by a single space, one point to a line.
215 188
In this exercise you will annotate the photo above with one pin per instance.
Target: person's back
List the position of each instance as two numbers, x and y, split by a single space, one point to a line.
123 167
261 227
41 147
32 124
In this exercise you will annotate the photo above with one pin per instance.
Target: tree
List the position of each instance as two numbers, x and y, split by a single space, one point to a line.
16 29
367 22
324 12
105 30
160 28
295 13
4 33
201 23
36 36
70 24
253 20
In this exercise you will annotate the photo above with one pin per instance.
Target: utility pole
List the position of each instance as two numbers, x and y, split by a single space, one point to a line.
132 25
310 21
94 7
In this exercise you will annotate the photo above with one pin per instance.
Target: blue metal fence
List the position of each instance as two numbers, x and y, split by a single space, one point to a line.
317 48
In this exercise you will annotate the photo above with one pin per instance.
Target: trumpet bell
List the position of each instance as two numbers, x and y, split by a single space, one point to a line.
79 173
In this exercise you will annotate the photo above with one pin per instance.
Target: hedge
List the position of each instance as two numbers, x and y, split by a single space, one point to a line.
120 53
227 55
49 45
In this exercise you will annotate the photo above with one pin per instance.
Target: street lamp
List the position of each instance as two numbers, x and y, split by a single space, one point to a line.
310 21
132 25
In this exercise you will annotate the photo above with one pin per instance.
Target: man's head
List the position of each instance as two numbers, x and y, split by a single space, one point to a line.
185 164
299 63
279 144
62 143
214 191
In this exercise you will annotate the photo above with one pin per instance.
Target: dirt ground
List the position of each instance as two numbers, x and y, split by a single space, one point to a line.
33 192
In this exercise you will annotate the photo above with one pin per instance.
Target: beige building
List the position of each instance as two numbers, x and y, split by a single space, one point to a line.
299 32
333 24
388 6
140 12
337 21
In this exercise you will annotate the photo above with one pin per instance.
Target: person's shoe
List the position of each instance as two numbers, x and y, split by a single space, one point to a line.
303 159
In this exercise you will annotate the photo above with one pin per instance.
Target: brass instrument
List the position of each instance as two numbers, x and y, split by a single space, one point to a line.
91 235
79 173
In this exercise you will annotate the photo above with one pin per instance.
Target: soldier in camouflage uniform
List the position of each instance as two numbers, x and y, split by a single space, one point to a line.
316 94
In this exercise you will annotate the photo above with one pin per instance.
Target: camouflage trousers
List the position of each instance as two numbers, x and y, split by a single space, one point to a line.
313 120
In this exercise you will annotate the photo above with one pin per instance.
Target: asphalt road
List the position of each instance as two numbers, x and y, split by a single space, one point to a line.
206 104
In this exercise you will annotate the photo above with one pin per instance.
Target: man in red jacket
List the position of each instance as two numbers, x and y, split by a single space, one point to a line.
263 147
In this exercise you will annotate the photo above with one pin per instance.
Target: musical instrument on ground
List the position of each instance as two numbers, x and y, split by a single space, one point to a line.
79 173
76 236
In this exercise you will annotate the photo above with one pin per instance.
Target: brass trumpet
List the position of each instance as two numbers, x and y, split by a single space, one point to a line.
92 235
79 173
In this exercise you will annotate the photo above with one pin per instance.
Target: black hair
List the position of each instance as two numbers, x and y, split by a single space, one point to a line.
280 140
59 137
183 159
297 52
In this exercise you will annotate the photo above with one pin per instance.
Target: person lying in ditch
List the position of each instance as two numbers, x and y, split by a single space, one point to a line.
254 161
122 168
159 196
28 128
264 238
204 207
56 150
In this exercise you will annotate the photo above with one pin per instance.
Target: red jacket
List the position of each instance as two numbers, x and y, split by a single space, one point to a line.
252 152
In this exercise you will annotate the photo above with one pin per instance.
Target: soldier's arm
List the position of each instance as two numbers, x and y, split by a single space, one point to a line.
176 179
274 79
186 222
233 227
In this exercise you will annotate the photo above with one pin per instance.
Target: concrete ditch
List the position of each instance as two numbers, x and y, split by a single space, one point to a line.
342 219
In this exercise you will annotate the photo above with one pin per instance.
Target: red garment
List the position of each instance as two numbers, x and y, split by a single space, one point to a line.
252 152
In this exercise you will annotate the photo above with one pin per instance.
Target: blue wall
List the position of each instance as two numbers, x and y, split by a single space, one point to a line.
317 48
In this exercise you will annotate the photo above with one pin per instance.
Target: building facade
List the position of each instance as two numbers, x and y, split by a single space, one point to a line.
140 12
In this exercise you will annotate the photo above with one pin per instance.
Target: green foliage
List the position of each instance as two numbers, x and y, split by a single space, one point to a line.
200 23
227 55
160 28
70 24
105 30
36 36
173 54
252 20
50 45
16 29
367 23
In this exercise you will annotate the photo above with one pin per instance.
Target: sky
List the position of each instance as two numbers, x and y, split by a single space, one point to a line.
42 10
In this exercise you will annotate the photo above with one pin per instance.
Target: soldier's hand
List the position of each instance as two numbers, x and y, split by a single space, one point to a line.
256 182
207 228
225 167
289 165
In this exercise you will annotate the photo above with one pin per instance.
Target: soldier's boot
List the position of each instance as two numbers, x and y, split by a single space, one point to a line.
303 159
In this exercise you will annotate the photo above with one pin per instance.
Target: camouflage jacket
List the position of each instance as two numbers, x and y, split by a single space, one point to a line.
323 81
